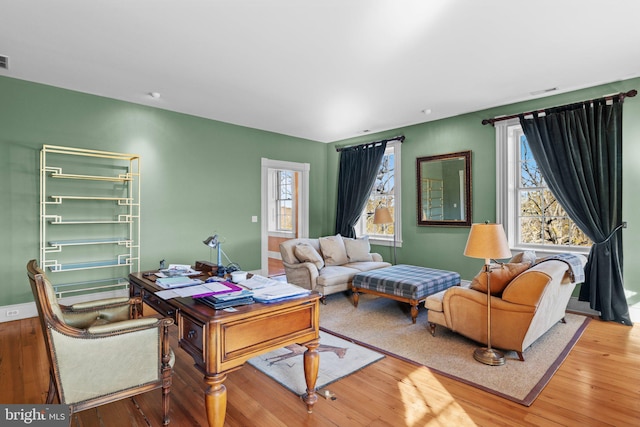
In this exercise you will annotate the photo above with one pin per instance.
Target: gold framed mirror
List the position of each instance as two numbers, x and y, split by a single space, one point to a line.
444 189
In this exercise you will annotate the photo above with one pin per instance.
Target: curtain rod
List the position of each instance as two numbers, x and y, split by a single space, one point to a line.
395 138
620 95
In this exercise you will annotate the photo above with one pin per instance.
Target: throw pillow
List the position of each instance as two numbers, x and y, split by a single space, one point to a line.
500 277
358 249
333 250
307 253
526 256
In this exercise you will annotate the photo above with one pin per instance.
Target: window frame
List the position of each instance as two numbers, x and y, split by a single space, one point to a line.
395 147
507 177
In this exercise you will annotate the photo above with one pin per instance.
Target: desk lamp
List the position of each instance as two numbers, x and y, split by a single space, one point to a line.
214 242
488 241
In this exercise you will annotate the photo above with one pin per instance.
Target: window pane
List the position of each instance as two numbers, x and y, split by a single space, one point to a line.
531 203
531 231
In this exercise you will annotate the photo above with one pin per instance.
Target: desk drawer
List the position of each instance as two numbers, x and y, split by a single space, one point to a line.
191 337
158 304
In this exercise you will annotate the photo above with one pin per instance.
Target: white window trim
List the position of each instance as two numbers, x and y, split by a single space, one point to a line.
506 161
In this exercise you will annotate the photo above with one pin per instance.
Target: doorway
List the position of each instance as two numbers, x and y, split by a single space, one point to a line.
285 209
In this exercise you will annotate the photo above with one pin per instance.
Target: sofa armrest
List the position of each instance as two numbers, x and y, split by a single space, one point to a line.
376 257
530 285
304 274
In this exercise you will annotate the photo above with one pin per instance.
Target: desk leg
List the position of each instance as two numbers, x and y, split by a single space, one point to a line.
215 399
311 365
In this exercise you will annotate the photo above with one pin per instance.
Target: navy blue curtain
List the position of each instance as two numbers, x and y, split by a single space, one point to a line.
359 166
578 149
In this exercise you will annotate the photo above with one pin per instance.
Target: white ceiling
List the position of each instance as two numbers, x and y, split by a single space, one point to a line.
324 70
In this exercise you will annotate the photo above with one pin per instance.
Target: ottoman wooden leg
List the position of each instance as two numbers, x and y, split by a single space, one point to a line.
414 310
356 297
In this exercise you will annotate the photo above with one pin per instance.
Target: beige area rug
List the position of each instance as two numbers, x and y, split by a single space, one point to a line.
385 325
338 358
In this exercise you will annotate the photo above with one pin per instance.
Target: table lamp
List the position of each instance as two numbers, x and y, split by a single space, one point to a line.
382 215
488 241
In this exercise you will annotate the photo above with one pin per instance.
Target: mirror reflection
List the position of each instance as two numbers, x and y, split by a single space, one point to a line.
444 189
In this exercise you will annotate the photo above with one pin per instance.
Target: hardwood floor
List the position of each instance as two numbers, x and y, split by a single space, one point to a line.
275 267
597 385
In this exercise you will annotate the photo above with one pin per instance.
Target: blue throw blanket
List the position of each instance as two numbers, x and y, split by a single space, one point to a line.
576 270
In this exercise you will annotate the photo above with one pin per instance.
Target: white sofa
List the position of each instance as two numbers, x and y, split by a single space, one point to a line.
328 264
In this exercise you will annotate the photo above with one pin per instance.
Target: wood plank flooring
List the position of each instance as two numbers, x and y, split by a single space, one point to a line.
597 385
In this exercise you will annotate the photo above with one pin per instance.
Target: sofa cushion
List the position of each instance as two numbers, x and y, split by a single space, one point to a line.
307 253
333 250
526 256
358 250
368 265
336 275
287 249
500 277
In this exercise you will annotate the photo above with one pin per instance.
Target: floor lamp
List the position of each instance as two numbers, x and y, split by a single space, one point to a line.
383 216
488 241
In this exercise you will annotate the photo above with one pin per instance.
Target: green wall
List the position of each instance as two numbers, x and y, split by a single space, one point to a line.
442 247
198 175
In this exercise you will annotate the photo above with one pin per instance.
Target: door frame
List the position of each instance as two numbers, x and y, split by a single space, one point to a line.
303 204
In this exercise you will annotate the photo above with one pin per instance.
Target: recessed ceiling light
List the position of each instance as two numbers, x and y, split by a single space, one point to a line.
426 111
154 95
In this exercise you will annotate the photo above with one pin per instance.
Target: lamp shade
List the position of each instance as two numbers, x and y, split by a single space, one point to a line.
211 241
487 241
382 216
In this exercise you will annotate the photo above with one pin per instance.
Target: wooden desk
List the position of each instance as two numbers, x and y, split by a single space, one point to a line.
221 342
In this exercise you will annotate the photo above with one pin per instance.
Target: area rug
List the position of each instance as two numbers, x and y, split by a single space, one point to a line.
338 358
385 325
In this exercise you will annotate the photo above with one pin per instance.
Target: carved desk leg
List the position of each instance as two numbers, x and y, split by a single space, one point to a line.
311 365
215 399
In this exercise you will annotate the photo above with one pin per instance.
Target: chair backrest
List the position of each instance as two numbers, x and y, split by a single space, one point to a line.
44 295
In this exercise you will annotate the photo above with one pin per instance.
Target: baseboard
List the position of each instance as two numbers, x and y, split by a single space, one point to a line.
9 313
581 307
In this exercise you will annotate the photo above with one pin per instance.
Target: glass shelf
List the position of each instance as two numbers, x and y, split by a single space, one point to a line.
89 265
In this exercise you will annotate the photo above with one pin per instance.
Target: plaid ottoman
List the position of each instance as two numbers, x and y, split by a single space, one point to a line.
405 283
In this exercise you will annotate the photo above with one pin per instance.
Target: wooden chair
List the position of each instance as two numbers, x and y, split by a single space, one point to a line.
99 351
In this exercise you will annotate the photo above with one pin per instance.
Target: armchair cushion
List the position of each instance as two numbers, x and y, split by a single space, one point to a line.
500 277
307 253
333 250
358 250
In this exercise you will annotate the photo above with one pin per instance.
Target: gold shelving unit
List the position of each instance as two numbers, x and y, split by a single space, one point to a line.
89 218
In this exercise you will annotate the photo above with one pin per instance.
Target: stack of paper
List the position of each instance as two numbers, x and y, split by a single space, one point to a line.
258 282
279 292
176 282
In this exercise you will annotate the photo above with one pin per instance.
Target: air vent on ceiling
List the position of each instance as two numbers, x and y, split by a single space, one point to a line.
4 62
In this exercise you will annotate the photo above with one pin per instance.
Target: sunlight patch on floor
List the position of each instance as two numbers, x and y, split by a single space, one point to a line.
432 405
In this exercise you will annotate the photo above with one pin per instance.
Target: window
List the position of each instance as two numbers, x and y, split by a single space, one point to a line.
530 213
385 192
282 201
